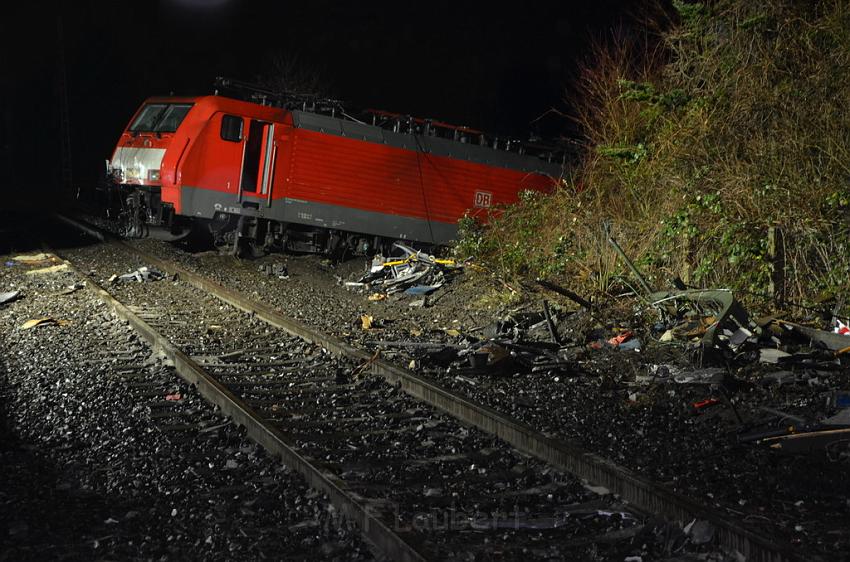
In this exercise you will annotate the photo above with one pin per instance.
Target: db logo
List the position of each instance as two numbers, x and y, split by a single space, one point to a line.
483 199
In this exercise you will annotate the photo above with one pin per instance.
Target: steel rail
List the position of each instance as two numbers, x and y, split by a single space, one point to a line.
388 542
639 491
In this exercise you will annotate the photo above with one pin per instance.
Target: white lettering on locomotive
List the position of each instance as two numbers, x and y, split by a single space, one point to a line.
224 209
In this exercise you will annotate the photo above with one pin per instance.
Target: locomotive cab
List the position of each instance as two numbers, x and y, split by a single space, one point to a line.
136 168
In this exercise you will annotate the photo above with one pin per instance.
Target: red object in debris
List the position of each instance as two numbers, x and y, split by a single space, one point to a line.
173 397
622 338
705 403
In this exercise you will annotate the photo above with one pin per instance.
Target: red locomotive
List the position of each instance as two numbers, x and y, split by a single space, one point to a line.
303 175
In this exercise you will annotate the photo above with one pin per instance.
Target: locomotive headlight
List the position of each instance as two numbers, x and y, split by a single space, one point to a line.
153 175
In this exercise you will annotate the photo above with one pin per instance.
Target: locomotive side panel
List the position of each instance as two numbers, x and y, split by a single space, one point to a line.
213 162
209 170
401 190
355 185
364 178
456 187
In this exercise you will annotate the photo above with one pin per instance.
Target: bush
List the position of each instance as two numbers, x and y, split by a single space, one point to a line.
733 123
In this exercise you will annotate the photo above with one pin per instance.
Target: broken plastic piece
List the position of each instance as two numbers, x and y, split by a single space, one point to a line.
9 296
31 258
700 531
418 290
618 339
43 322
71 289
141 275
829 340
48 270
770 355
809 441
702 404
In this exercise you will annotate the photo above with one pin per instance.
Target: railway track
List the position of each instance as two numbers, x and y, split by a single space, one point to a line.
110 455
395 453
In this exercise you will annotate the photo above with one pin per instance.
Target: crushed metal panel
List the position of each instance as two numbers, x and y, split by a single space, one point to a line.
810 441
721 300
831 340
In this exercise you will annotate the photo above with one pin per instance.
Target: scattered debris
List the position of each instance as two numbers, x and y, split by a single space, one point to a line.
582 302
684 312
770 355
48 270
46 321
32 258
419 290
834 341
70 289
9 296
279 270
141 275
835 440
706 352
414 273
699 531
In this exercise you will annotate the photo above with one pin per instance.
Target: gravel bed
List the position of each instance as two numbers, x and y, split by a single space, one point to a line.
93 472
801 498
384 469
803 501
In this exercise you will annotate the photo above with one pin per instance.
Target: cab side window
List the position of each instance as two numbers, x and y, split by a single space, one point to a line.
231 128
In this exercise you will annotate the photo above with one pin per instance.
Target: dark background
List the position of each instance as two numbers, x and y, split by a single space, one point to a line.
482 65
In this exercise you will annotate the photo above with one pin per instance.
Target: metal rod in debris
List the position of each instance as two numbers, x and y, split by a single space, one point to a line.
606 226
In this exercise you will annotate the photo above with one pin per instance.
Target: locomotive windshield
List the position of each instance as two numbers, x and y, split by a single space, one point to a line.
160 117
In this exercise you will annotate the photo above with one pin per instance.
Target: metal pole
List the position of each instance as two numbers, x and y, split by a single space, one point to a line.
606 226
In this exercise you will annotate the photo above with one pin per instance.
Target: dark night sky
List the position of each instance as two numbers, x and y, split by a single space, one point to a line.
476 64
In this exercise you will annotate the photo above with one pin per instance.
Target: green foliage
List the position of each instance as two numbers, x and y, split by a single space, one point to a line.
471 240
645 92
838 199
628 154
753 22
738 124
690 12
637 91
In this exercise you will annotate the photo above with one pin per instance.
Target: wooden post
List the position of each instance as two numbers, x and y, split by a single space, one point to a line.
685 274
776 261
